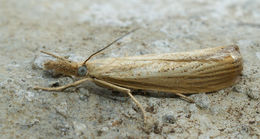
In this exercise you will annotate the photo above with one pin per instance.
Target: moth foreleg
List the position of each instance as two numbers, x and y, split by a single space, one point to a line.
61 88
124 90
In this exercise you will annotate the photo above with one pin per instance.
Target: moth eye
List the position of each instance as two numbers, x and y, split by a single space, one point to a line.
82 70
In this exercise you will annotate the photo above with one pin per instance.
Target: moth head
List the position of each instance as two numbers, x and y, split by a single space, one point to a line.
65 67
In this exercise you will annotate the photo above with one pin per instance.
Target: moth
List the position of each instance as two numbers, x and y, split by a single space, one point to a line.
198 71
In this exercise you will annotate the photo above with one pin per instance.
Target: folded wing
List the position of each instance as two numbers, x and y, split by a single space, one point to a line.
203 70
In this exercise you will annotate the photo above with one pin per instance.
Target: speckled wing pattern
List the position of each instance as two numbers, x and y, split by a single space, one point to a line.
198 71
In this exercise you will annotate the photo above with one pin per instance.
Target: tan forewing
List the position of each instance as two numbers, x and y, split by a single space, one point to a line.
203 70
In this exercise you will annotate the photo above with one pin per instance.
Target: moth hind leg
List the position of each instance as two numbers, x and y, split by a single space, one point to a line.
125 90
185 97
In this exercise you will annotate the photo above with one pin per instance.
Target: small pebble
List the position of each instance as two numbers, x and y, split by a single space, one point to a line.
83 94
193 108
79 128
202 100
62 108
84 91
169 119
253 94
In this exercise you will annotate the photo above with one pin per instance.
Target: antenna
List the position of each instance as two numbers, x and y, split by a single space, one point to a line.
109 45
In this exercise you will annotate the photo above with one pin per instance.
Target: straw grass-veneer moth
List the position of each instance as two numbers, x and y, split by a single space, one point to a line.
181 73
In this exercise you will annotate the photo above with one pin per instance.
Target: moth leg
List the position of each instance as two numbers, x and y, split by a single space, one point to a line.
185 97
61 88
124 90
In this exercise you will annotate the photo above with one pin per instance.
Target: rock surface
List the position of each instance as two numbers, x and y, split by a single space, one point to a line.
76 29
